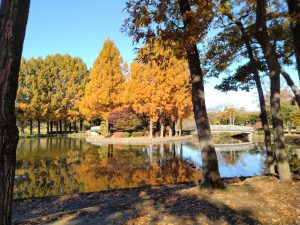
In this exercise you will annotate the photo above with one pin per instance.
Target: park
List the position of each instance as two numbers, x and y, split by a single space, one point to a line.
149 112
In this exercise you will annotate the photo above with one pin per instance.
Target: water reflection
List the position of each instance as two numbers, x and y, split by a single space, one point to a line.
54 166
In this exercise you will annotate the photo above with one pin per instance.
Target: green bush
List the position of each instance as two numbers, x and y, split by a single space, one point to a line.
138 134
103 129
86 125
126 134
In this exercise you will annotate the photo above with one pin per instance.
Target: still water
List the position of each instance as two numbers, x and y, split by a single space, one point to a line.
56 166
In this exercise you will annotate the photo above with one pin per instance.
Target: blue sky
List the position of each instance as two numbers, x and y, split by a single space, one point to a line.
79 27
76 27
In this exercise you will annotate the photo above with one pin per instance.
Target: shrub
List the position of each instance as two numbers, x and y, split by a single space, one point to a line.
126 134
138 134
103 129
86 125
125 120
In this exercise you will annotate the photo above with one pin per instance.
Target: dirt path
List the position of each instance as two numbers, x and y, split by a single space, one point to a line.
260 200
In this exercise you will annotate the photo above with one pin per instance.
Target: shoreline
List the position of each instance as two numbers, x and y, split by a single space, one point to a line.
98 140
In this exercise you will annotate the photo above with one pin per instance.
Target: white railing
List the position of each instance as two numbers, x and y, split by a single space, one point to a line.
231 128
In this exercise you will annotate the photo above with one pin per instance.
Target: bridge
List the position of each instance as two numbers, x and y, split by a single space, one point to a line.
190 125
234 129
231 129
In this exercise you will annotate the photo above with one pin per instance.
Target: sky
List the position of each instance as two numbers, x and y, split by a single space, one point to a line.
79 28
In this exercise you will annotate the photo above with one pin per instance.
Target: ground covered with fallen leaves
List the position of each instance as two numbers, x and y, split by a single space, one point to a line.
258 200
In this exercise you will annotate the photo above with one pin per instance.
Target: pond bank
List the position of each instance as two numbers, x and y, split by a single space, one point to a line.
257 200
98 140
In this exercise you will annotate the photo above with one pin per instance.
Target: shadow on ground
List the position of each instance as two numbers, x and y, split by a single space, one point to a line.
147 205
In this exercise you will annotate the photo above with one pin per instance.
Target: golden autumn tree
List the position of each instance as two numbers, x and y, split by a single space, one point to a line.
104 88
160 89
140 92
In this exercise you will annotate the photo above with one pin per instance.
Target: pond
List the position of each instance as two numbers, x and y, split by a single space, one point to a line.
57 166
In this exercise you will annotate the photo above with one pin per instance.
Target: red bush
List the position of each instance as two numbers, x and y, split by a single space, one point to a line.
118 135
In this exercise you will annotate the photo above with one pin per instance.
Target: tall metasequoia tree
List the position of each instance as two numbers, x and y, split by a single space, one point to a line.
274 74
102 92
159 88
141 92
183 28
294 11
13 20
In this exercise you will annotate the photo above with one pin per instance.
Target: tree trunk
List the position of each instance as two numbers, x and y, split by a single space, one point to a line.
13 20
274 70
75 127
47 128
162 128
56 123
151 128
180 127
80 125
294 12
262 103
60 126
70 127
51 127
292 85
39 128
210 169
170 131
265 123
30 127
65 127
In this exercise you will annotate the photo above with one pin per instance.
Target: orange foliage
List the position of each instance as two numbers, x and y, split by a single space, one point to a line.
102 93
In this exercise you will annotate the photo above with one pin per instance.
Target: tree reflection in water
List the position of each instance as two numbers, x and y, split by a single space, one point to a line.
54 166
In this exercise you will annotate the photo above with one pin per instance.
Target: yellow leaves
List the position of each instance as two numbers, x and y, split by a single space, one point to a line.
103 93
160 87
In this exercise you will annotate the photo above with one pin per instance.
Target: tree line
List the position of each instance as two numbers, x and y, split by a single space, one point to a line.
49 92
160 91
59 91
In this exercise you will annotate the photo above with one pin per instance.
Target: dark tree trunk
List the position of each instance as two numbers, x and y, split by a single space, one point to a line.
180 127
56 123
262 103
13 20
39 128
60 126
30 127
265 124
294 11
210 169
274 70
51 127
48 129
70 127
80 125
66 127
75 127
